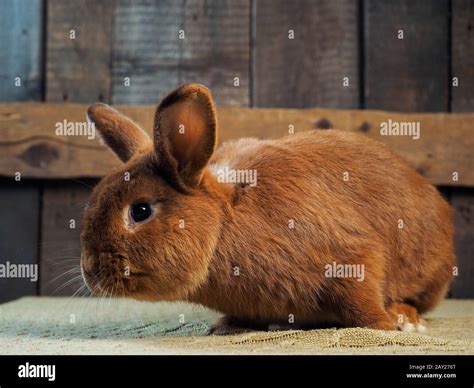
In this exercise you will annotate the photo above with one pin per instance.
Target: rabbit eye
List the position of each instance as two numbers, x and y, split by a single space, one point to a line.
141 211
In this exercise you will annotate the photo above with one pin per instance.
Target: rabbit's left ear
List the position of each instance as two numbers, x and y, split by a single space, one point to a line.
120 133
185 133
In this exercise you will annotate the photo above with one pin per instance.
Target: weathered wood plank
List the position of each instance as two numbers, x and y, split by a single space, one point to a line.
79 50
409 74
29 142
216 50
463 202
308 70
18 235
20 53
462 100
63 204
146 49
21 24
158 45
462 27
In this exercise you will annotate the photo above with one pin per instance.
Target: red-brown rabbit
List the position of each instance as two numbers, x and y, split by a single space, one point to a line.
332 226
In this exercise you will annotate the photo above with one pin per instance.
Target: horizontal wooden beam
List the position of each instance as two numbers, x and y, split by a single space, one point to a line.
29 143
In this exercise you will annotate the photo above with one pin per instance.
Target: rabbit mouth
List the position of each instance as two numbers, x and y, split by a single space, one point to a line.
112 274
107 286
112 280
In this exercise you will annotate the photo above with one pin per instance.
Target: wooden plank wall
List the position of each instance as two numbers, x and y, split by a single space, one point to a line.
193 40
21 25
406 73
29 141
258 53
79 45
19 231
462 100
303 51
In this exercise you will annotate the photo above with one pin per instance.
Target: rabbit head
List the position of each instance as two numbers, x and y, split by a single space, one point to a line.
150 228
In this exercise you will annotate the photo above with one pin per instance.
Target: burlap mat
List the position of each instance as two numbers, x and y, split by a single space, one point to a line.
98 326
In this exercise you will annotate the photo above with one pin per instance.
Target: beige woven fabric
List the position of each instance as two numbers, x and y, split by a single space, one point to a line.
96 326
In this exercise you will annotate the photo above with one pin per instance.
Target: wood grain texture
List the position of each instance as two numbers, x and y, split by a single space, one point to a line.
462 100
463 203
18 234
29 143
20 49
306 71
63 202
409 74
79 69
145 51
462 27
148 49
21 24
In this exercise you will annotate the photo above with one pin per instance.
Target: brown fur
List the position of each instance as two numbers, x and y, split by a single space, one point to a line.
281 269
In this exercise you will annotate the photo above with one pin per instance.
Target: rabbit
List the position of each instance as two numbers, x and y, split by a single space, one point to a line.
336 229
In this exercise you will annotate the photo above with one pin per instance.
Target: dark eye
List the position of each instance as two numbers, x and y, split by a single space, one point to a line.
141 211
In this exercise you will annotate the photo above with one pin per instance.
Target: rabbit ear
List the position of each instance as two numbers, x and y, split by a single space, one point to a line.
185 133
120 133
